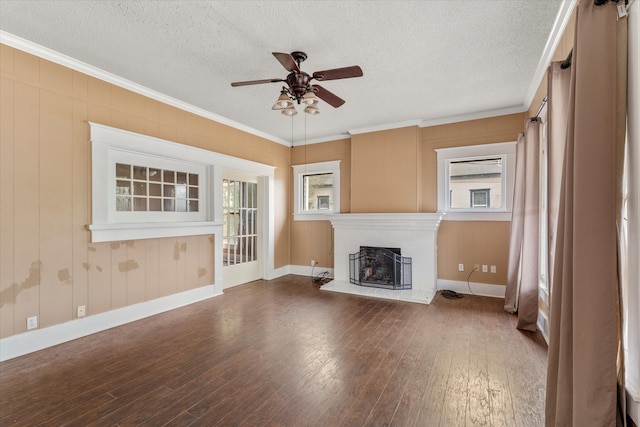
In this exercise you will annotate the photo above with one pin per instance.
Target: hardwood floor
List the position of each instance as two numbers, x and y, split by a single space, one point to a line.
284 353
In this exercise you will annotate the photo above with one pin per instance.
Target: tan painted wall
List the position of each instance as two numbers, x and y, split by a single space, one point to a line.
314 239
48 267
385 171
462 241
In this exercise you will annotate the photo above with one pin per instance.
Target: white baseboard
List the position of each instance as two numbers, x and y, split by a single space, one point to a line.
302 270
38 339
483 289
277 272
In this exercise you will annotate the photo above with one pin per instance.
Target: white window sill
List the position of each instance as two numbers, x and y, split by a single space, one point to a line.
119 232
313 216
477 216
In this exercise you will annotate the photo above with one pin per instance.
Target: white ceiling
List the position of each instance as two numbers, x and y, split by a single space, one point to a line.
424 62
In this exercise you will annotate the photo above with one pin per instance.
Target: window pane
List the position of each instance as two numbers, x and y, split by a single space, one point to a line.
169 176
317 189
181 177
140 188
123 204
155 190
193 192
193 206
475 183
123 187
140 204
155 205
181 191
193 179
181 205
168 205
123 171
169 191
140 172
155 174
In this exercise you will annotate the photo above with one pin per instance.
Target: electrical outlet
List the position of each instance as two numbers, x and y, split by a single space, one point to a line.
476 266
493 268
313 263
82 310
460 267
32 322
484 268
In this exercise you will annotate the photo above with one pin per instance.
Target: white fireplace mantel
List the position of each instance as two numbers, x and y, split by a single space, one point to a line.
414 234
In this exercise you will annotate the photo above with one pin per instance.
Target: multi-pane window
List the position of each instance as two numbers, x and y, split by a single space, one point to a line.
148 189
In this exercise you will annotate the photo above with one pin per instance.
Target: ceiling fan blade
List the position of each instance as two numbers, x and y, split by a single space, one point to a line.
328 97
338 73
255 82
287 61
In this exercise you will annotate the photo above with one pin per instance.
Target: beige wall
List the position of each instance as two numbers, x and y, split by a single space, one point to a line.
395 171
385 171
314 239
48 266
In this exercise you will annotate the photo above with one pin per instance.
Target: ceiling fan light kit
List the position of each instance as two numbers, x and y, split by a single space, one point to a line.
299 87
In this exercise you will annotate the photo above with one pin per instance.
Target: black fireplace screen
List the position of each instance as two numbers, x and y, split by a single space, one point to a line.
380 268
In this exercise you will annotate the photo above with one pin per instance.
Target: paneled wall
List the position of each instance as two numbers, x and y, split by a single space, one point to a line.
47 264
314 239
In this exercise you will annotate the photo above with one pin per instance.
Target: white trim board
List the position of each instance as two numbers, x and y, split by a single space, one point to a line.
39 339
482 289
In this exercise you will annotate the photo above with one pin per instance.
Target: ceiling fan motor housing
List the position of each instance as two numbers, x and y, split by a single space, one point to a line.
299 84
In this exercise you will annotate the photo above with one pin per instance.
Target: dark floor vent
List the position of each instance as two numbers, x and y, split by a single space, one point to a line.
382 268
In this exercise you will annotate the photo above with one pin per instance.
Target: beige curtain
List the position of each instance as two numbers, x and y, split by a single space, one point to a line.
557 110
582 376
522 274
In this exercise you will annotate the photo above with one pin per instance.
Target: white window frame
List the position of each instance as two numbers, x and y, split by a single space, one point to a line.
110 146
299 172
506 151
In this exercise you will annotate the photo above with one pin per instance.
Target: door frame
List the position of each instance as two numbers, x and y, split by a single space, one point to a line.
266 186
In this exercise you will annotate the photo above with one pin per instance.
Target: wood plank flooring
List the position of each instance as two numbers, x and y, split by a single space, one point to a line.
284 353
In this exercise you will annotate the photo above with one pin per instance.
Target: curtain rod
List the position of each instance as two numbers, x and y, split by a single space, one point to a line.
542 104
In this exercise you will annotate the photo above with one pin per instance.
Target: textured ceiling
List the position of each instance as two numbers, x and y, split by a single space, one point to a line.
423 61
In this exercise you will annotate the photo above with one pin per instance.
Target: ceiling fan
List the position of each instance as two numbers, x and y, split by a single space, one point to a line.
299 87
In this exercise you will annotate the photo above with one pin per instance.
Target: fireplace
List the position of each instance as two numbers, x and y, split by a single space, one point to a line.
416 234
377 267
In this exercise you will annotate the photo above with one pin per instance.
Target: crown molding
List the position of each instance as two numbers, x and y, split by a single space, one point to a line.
74 64
557 31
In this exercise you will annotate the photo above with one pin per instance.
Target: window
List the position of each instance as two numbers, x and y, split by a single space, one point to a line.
145 187
316 190
476 182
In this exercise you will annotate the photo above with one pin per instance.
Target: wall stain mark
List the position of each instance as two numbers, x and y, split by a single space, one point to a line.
115 245
10 293
177 248
128 265
86 266
202 272
64 275
99 268
92 248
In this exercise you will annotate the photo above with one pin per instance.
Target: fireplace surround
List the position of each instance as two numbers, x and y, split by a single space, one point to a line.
416 234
